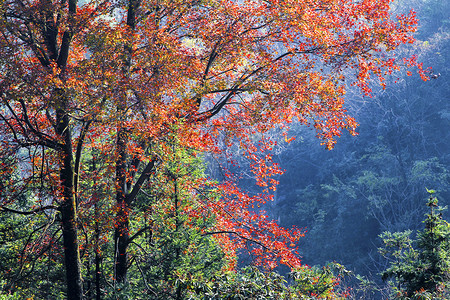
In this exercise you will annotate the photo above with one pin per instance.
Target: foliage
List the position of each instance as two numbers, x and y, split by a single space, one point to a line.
421 267
178 251
105 103
347 197
251 283
30 249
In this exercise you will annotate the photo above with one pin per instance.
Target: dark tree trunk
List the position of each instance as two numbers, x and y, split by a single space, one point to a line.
122 234
122 222
68 206
69 212
98 293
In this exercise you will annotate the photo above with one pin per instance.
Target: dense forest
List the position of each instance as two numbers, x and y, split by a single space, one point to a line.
377 181
209 149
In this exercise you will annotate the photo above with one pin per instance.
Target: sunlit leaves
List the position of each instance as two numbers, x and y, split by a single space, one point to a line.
161 83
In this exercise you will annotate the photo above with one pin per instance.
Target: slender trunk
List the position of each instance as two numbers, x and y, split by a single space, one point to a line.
177 227
122 222
69 212
122 234
88 279
98 294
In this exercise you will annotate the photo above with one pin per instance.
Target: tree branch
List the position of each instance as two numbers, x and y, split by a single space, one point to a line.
46 141
139 232
31 212
144 176
67 36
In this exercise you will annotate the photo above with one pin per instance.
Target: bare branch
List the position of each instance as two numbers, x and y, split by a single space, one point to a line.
30 212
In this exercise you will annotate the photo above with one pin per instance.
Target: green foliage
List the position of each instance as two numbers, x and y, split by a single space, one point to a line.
251 283
304 283
170 252
420 268
9 295
29 256
175 259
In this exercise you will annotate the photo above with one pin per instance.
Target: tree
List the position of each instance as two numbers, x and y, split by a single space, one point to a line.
120 78
421 266
176 253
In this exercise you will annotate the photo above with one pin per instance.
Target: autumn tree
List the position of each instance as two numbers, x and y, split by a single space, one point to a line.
36 104
122 79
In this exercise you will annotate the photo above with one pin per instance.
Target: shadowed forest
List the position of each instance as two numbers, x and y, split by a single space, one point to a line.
217 149
377 181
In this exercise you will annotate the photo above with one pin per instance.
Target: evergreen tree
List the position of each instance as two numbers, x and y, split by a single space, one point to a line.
420 268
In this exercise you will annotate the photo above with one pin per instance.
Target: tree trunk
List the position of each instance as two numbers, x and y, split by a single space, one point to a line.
122 221
98 292
69 212
121 235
